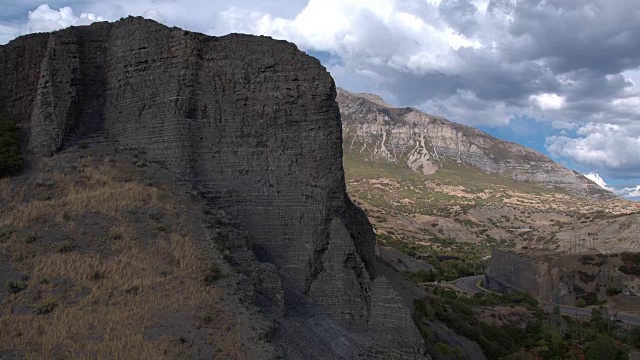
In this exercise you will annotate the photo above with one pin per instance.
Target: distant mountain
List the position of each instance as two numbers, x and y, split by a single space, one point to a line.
431 186
426 144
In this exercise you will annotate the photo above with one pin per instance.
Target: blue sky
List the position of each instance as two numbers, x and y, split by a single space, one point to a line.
559 76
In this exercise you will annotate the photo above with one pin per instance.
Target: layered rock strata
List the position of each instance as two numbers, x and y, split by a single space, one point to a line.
251 122
425 143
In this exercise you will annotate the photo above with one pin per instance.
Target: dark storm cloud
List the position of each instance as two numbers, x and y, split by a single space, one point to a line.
597 35
460 15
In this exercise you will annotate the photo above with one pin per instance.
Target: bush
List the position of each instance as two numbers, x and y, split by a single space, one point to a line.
15 287
634 337
590 298
10 158
212 275
605 347
45 306
65 247
630 269
612 290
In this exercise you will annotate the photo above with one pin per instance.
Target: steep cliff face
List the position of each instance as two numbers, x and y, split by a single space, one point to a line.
249 121
511 270
563 278
426 143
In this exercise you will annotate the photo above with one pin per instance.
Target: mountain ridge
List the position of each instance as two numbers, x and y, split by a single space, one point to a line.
426 142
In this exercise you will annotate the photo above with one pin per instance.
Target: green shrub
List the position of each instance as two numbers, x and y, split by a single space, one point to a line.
212 275
591 298
605 347
45 306
634 337
630 269
10 158
612 290
97 276
65 247
15 287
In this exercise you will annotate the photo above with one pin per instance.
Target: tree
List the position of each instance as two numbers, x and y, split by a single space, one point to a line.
634 337
605 347
10 158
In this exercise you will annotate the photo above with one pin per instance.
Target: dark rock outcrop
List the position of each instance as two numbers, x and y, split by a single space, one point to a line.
510 270
252 123
559 278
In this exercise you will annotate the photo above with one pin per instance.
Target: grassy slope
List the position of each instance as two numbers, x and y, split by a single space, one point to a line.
462 212
502 205
114 266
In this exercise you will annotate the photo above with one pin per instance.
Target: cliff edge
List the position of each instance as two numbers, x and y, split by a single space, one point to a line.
253 125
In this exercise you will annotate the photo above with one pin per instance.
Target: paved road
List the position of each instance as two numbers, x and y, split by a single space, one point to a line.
586 313
469 285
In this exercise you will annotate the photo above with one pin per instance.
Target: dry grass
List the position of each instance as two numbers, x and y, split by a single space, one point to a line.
134 301
4 187
101 190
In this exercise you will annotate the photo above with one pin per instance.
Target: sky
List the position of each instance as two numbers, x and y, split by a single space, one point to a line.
559 76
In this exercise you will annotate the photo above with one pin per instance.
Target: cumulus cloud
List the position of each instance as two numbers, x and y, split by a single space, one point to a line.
609 146
598 180
8 33
547 101
626 192
631 192
44 19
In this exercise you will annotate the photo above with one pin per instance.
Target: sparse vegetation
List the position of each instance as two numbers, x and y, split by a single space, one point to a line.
45 306
612 290
509 327
11 160
65 247
631 263
450 259
14 287
115 288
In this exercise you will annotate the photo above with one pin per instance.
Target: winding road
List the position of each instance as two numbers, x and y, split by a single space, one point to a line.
469 285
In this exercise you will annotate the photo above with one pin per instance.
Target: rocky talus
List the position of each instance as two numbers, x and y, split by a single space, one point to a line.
253 125
426 143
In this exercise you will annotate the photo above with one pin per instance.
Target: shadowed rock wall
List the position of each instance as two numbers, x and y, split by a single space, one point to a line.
250 121
512 271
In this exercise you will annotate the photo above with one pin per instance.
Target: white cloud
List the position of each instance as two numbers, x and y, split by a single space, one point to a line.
466 105
361 31
154 14
563 125
627 192
7 33
598 180
632 192
44 19
609 146
547 101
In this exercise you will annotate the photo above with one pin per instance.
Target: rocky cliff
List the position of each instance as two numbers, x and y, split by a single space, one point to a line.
513 270
563 278
426 143
250 122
